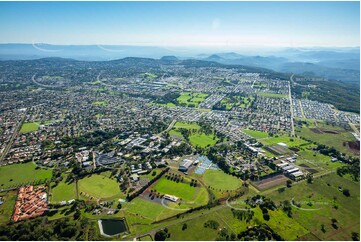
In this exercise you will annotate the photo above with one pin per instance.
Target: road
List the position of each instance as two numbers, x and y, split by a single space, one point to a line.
9 144
291 107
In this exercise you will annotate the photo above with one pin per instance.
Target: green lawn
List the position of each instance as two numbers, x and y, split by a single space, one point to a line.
63 192
29 127
220 180
99 186
272 95
256 134
17 174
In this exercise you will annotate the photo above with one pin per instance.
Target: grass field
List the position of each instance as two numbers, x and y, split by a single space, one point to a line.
220 180
335 138
63 192
6 209
100 103
237 101
149 210
17 174
99 186
191 98
29 127
181 190
324 194
290 141
196 138
256 134
272 95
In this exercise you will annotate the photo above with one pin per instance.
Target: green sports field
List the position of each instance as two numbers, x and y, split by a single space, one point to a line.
99 186
29 127
17 174
256 134
63 192
181 190
272 95
220 180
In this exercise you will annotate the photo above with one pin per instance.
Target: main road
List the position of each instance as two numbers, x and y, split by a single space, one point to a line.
291 106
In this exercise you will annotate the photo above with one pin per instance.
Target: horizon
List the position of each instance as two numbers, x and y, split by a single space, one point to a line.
229 25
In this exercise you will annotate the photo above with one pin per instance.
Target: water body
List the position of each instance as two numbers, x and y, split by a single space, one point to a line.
110 227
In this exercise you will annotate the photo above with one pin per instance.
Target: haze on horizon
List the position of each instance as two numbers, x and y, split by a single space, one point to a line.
191 24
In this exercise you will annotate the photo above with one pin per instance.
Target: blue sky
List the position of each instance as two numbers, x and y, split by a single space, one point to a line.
278 24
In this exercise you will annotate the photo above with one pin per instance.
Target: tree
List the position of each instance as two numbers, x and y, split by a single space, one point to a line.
161 235
184 227
266 216
119 206
346 192
355 236
289 183
77 214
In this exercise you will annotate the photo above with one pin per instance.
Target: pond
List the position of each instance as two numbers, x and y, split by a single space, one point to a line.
110 227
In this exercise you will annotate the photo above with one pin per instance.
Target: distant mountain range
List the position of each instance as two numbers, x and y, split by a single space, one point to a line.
334 63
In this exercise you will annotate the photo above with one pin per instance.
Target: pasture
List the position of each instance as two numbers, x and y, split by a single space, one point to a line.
17 174
327 201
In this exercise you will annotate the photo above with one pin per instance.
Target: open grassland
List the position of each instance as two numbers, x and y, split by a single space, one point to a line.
197 138
332 136
99 186
6 209
13 175
29 127
191 98
272 95
220 180
328 202
256 134
63 192
279 222
317 160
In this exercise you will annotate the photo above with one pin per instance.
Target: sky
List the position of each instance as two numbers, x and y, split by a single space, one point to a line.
280 24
